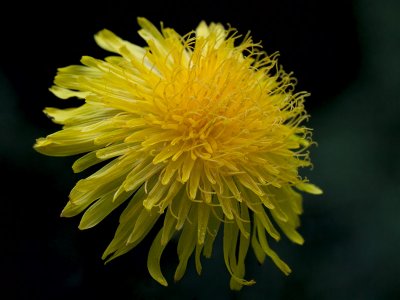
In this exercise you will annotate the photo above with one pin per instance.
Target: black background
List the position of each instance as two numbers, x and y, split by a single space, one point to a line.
346 53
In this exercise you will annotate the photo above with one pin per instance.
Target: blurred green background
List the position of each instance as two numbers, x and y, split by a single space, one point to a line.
346 53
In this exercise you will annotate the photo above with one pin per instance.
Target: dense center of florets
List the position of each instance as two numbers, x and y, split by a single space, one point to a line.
209 112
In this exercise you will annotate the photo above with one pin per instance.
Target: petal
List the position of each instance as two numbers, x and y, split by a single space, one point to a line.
101 209
264 245
203 213
142 172
110 42
143 224
202 30
181 207
229 245
66 142
226 206
85 162
118 245
247 181
63 93
309 188
153 260
258 251
186 245
213 227
194 180
244 243
197 260
187 167
85 114
155 195
168 227
70 77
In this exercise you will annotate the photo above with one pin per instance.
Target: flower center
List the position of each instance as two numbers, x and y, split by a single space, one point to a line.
209 112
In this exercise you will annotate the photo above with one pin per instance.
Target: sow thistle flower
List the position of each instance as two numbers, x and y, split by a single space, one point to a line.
202 131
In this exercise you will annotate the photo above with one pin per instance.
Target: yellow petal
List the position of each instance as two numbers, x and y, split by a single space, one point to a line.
309 188
203 213
110 42
187 167
264 244
197 260
63 93
101 209
258 251
213 227
181 208
153 260
186 245
85 162
143 224
168 227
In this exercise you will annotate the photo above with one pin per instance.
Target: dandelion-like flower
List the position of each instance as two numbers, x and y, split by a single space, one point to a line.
200 130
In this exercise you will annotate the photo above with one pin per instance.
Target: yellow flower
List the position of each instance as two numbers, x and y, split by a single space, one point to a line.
201 129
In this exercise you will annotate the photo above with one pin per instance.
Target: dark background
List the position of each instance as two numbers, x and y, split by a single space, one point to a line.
346 53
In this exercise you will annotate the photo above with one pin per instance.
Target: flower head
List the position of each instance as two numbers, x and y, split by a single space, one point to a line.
200 130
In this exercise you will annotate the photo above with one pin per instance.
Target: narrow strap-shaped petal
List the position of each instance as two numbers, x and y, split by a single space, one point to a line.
127 223
186 245
110 42
66 93
212 230
197 259
153 260
272 254
244 242
258 251
144 223
86 161
101 209
309 188
168 228
230 239
203 214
